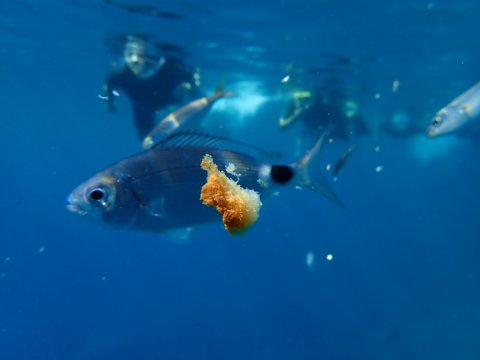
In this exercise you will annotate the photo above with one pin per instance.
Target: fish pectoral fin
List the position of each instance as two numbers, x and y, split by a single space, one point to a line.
155 208
180 236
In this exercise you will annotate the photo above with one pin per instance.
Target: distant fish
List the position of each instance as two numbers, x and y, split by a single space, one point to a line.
461 113
144 10
328 71
342 160
191 113
159 189
169 48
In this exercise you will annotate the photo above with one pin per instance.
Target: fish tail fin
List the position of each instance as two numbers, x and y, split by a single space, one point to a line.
220 92
314 180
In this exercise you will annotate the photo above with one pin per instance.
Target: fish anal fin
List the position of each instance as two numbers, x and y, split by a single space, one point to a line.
180 236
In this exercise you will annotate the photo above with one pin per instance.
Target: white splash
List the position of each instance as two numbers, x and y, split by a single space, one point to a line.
246 102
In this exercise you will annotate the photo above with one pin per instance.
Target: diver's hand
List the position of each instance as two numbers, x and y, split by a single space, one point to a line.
108 96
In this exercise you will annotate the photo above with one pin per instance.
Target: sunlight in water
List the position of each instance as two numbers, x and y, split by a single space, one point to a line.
246 102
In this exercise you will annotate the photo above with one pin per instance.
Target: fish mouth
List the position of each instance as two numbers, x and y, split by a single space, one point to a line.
74 207
431 133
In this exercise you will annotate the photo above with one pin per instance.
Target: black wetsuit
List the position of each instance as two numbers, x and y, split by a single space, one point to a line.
150 94
323 114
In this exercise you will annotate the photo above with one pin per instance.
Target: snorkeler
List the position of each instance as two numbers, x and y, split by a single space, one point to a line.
151 81
325 109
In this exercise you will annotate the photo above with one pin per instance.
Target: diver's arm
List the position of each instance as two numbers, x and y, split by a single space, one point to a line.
114 80
108 94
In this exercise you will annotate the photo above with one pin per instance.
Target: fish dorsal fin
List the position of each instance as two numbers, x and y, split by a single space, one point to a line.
189 138
197 138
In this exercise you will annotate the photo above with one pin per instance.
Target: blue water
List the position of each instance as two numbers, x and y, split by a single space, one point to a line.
404 280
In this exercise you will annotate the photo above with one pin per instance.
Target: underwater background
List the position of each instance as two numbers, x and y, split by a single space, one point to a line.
395 275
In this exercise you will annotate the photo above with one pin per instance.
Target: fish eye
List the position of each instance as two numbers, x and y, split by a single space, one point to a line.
437 121
96 195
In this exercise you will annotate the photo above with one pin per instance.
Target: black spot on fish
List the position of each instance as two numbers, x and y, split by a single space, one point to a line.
281 174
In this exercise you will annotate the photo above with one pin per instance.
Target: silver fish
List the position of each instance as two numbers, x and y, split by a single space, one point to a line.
342 160
460 113
191 113
158 190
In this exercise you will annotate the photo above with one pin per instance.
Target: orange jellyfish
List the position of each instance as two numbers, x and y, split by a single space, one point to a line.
239 207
